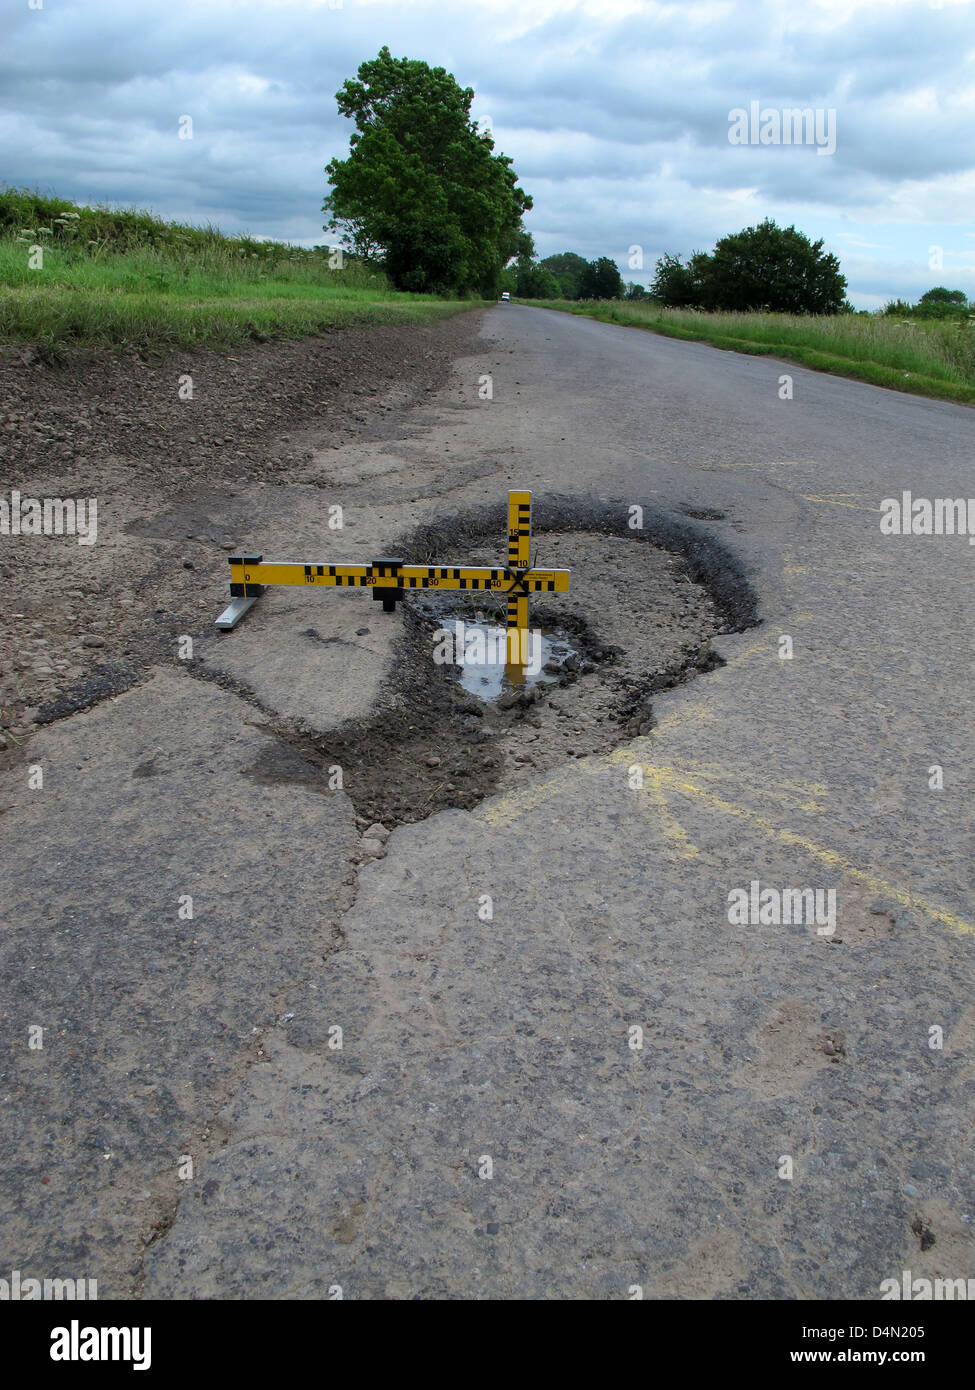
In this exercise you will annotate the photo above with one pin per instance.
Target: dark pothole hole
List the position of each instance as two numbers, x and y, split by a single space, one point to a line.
642 610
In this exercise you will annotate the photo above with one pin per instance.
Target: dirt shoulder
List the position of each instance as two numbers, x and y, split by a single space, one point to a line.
143 436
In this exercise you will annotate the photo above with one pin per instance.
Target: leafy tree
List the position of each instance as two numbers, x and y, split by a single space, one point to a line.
524 269
938 303
673 284
602 280
547 286
535 282
939 295
773 268
899 307
523 244
763 267
697 269
568 268
421 188
634 291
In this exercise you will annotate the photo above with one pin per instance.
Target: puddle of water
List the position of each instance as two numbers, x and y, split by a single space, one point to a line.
480 649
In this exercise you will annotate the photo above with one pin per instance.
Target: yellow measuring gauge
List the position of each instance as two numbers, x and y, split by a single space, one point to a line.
390 578
384 575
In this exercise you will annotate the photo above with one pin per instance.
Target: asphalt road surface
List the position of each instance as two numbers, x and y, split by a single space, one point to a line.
611 1083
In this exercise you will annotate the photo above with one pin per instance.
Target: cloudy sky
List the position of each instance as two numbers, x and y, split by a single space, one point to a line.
617 115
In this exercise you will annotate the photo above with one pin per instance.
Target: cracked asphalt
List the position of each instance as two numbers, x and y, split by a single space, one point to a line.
564 1073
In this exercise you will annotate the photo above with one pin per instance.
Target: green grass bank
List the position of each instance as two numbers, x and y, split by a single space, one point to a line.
76 276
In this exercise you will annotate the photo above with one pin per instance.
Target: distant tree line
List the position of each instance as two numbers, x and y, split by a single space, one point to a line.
939 303
765 267
565 276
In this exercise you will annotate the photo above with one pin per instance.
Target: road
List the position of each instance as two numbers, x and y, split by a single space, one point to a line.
790 1126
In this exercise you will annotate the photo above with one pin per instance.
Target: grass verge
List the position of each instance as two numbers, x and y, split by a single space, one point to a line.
72 276
62 316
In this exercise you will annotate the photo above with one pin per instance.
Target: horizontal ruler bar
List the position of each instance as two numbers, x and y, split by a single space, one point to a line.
401 577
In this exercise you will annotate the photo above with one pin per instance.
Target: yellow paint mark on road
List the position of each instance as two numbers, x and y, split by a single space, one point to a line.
692 713
674 832
676 781
807 796
508 809
835 502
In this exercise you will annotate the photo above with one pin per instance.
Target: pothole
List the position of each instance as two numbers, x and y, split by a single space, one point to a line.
640 616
